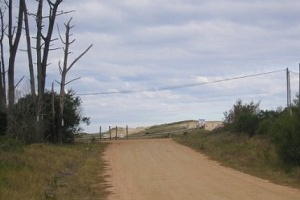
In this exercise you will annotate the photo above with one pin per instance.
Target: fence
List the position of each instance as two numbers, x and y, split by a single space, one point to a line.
114 133
119 133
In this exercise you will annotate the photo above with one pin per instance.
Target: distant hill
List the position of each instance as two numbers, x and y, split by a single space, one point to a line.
168 128
161 130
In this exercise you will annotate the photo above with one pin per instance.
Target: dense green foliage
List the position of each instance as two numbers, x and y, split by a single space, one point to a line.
3 123
26 124
242 118
286 135
281 127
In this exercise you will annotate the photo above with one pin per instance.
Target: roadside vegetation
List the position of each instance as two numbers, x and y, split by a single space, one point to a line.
35 120
256 155
39 114
45 171
262 143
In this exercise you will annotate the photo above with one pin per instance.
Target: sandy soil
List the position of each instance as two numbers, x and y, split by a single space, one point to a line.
162 169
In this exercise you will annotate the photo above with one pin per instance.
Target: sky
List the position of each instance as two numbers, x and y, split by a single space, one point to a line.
161 61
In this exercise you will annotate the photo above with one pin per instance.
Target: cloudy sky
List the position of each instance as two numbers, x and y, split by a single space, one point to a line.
158 61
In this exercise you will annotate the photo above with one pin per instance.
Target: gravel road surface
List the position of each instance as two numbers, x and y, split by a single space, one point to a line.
161 169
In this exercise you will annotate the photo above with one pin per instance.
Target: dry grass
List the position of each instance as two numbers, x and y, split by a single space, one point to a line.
42 171
256 156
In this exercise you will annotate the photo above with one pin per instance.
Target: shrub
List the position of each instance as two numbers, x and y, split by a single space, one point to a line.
266 121
246 123
3 123
264 127
242 118
26 126
287 138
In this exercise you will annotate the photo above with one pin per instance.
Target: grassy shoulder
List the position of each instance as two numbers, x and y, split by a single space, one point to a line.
256 155
42 171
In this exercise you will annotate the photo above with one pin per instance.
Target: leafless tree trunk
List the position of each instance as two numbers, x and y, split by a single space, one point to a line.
29 53
55 138
2 65
64 70
43 43
14 35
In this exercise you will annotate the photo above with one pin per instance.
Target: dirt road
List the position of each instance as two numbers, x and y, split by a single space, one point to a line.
164 170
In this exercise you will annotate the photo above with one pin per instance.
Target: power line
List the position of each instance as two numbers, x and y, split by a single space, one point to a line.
178 86
294 72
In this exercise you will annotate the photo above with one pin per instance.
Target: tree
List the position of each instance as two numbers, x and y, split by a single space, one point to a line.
18 118
72 117
3 123
267 118
285 133
2 65
242 117
64 69
25 113
43 47
29 53
14 35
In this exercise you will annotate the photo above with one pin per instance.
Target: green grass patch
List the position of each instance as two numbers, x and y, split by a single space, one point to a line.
42 171
256 155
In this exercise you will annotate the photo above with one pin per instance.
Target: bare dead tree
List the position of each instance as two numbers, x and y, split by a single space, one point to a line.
43 44
53 113
14 35
64 69
2 63
29 53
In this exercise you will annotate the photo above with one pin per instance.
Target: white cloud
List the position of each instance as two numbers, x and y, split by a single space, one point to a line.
143 45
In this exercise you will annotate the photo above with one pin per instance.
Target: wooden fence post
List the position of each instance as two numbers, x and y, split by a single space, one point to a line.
100 134
109 133
116 133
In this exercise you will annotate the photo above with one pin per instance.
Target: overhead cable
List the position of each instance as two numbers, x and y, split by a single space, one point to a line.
178 86
294 72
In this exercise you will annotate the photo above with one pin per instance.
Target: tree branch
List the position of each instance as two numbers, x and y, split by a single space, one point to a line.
19 82
82 54
73 80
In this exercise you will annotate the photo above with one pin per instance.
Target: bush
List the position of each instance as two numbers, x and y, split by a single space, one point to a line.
266 121
264 127
242 118
26 127
247 123
10 144
3 123
280 126
287 138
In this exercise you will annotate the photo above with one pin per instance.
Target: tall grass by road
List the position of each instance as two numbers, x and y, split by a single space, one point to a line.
256 155
42 171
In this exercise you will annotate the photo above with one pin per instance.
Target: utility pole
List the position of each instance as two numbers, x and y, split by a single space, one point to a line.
288 91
